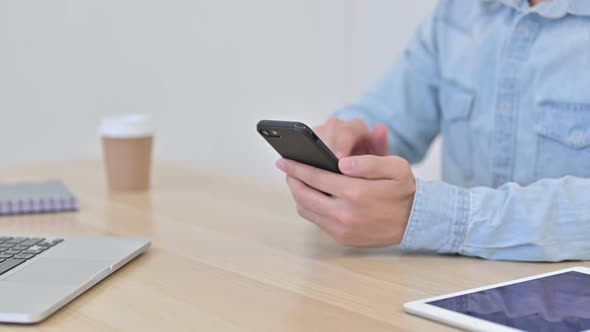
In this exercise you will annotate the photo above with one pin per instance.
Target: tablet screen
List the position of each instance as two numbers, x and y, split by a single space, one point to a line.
559 302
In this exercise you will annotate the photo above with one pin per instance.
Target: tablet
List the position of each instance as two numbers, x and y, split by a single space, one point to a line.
555 301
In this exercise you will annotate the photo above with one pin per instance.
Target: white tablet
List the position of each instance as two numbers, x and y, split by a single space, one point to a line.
555 301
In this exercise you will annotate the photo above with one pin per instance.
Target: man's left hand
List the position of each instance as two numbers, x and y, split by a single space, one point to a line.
368 205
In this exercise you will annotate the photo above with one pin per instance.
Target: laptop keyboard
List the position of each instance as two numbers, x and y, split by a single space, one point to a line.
16 250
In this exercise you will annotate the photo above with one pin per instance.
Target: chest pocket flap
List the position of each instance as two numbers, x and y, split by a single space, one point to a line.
455 101
566 123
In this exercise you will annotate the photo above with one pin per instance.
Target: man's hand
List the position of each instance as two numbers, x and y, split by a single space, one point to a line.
369 205
351 138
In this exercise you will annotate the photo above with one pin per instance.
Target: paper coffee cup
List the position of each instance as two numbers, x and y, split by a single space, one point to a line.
127 142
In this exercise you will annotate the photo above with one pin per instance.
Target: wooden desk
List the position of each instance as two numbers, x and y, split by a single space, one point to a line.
229 255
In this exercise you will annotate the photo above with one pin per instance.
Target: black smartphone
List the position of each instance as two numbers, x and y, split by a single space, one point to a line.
296 141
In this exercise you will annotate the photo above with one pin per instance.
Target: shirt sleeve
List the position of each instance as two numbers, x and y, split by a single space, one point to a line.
406 98
548 220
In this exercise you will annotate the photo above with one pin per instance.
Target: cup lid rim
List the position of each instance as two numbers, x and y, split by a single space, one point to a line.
126 125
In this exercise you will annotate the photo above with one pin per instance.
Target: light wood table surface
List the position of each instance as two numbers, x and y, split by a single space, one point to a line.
232 255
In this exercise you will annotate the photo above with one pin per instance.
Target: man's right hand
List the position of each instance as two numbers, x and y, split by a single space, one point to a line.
351 138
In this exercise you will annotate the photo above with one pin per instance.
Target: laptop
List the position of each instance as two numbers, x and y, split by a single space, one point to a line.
39 275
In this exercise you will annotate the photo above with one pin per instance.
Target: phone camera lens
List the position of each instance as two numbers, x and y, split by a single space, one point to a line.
265 133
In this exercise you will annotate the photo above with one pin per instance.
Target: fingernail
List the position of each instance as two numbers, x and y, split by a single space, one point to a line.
346 165
281 164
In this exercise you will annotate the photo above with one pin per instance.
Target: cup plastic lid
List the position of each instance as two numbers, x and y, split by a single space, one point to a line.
126 126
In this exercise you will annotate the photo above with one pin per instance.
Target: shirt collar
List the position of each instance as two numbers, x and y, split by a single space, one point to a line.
552 8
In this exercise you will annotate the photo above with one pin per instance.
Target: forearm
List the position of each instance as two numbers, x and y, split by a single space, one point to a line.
545 221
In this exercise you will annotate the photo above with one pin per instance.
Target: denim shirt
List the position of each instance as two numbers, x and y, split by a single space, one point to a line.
508 88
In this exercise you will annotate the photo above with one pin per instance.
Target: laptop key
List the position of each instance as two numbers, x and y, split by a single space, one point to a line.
36 247
24 256
16 240
18 250
10 264
31 241
32 251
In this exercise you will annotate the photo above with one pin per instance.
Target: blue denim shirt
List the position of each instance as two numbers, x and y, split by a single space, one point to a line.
508 88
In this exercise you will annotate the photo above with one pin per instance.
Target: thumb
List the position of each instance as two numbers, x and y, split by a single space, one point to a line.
378 140
375 167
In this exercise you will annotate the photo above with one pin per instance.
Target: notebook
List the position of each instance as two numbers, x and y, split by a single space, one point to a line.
36 197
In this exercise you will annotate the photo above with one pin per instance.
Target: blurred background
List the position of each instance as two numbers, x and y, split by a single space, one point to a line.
205 70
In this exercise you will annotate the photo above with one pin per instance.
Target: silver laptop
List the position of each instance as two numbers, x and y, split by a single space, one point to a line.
39 275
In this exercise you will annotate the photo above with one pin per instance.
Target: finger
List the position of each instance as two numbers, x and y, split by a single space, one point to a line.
325 181
343 137
378 140
319 130
328 225
375 167
344 143
311 199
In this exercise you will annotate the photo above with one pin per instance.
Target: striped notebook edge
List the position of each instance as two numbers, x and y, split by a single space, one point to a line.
36 197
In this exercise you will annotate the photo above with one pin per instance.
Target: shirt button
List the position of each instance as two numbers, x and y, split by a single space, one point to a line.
523 31
577 135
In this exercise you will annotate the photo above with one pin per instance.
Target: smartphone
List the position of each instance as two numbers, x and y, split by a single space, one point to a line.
296 141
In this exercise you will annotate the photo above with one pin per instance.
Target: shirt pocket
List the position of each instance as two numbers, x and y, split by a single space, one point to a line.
456 105
564 140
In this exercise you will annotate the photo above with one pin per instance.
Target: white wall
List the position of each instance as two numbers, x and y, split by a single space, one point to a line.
206 70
